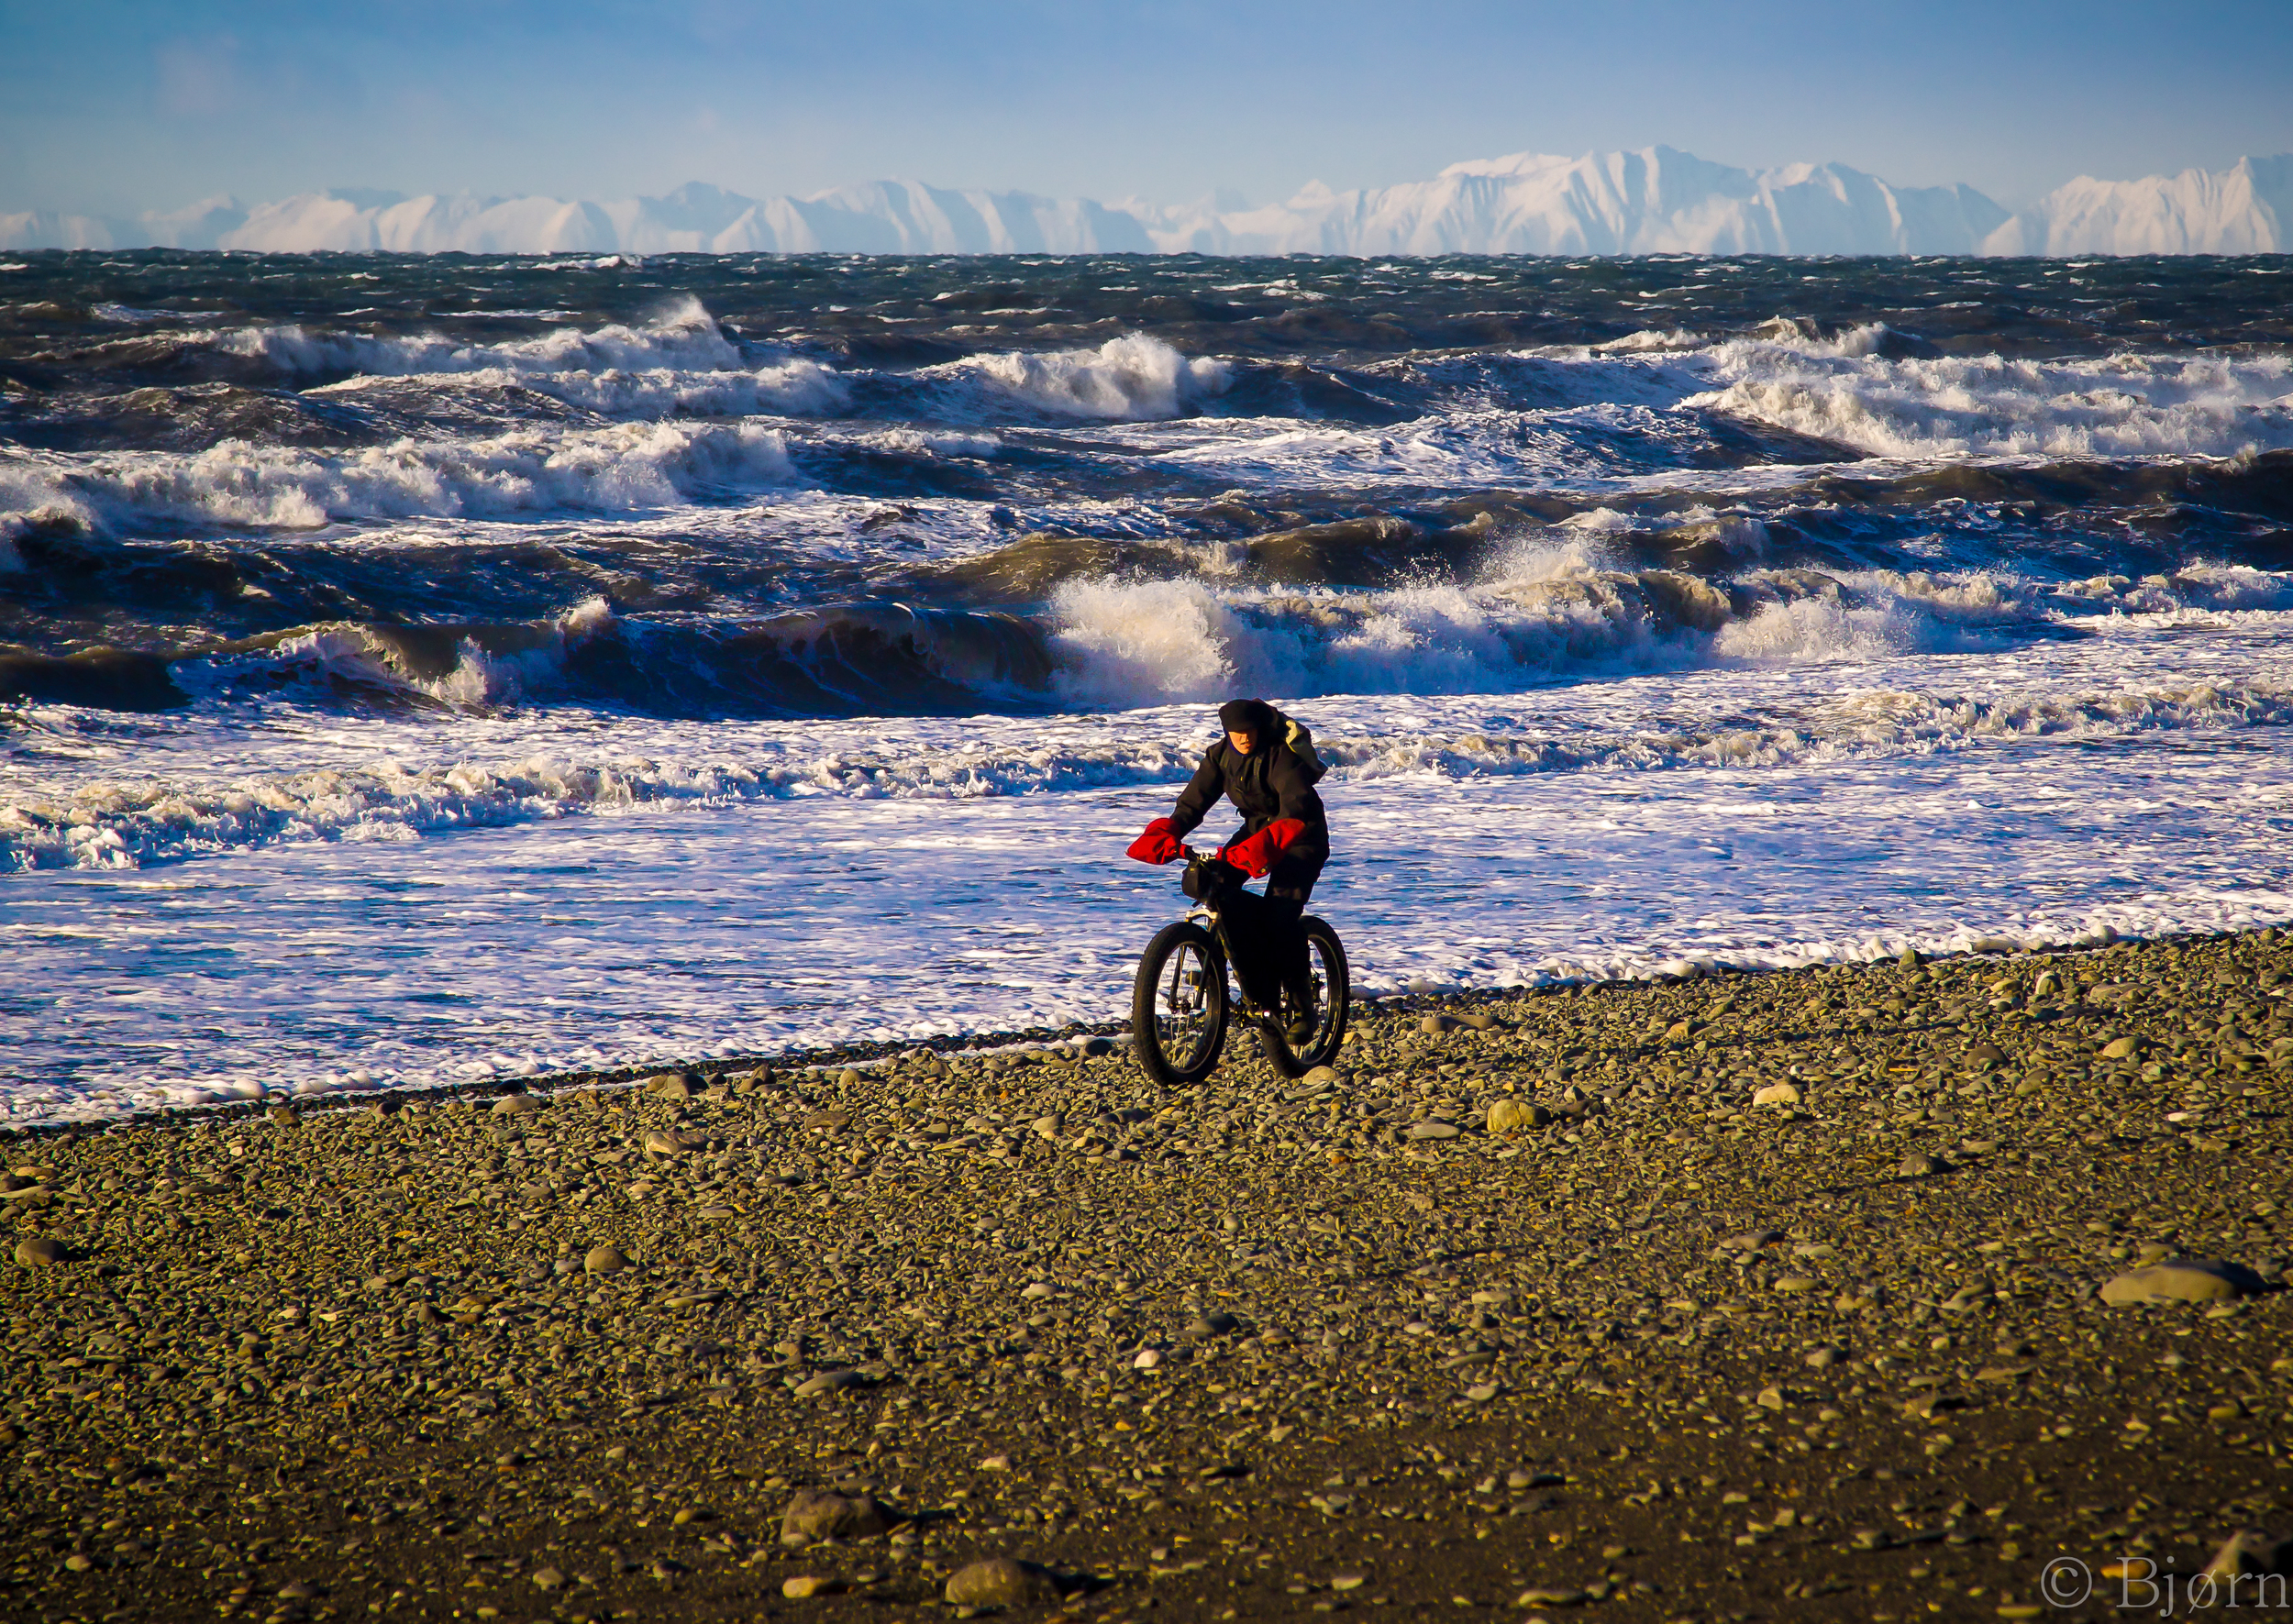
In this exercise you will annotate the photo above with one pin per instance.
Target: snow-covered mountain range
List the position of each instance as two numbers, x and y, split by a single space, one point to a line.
1653 200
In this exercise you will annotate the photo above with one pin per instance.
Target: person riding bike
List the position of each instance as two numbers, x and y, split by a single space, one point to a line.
1266 766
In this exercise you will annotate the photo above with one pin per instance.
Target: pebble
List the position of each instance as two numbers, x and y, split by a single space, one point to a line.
814 1514
2122 1048
668 1085
2181 1280
605 1260
804 1587
1320 1077
1777 1094
38 1251
1919 1165
999 1582
1433 1130
1435 1023
548 1578
517 1105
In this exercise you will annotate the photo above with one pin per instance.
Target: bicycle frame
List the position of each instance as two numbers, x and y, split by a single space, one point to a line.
1204 914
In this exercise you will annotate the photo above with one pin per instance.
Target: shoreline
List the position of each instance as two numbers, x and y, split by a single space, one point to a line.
875 1052
1537 1308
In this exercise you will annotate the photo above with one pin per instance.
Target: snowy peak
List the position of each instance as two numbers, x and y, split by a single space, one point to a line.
1656 200
2245 209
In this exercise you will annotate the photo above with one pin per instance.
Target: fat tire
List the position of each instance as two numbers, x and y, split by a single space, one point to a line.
1145 1034
1338 997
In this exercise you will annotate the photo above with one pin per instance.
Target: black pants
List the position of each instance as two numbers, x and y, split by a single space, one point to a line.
1263 933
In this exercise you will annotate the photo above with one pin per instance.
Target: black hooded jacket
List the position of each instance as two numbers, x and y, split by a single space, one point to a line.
1268 783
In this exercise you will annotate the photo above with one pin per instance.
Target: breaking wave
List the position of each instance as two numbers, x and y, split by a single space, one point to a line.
1849 390
127 824
619 469
683 337
1132 376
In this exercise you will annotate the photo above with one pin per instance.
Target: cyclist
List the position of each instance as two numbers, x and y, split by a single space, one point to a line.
1266 766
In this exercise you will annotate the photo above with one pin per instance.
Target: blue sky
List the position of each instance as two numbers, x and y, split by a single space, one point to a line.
117 105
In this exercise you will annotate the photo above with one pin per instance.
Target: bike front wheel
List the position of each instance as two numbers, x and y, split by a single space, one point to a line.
1333 993
1178 1006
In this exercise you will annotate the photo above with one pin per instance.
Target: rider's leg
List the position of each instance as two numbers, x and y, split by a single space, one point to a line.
1287 890
1251 938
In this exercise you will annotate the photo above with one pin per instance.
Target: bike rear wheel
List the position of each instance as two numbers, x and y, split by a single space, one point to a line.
1178 1006
1333 994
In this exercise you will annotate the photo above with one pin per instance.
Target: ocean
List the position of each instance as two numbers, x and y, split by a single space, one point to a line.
420 670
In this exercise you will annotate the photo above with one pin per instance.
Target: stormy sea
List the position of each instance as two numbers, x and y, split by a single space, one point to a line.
427 668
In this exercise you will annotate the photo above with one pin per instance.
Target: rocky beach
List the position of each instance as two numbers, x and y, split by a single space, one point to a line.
1860 1292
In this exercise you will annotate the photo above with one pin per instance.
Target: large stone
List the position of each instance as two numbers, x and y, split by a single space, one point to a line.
999 1582
38 1250
830 1381
2249 1553
814 1515
1511 1116
1433 1130
517 1105
1777 1094
2181 1280
605 1260
2123 1048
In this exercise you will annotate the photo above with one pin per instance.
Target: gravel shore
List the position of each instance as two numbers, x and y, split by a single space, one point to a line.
1798 1294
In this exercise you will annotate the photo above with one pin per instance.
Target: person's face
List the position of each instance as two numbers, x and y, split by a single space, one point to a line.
1240 741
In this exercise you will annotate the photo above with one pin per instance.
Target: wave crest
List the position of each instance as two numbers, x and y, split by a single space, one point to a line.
621 467
1133 377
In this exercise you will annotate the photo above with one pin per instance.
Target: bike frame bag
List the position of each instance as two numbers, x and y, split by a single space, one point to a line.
1212 881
